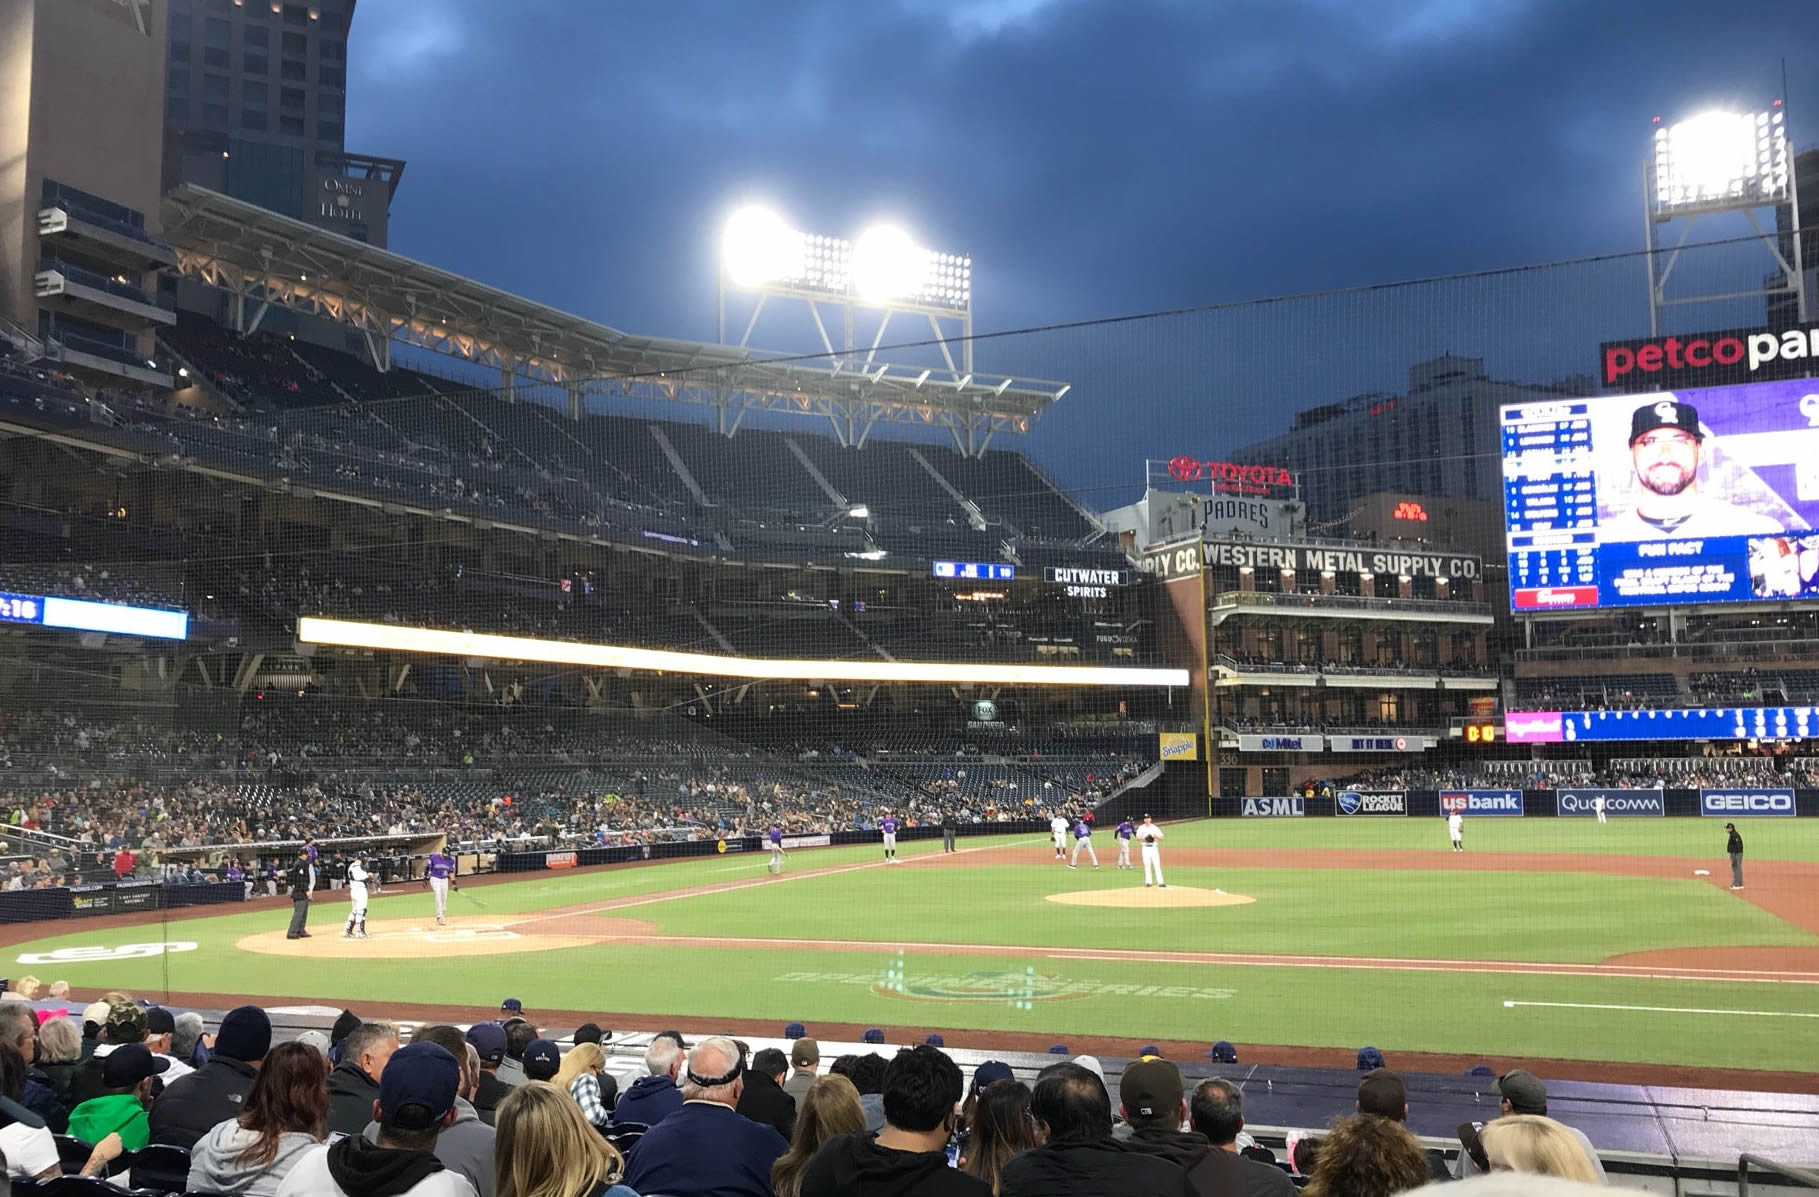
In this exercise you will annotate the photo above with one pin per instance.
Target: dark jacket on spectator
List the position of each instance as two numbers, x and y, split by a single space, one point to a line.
59 1075
191 1106
855 1165
1091 1168
351 1094
487 1096
41 1098
1213 1171
650 1100
705 1150
765 1101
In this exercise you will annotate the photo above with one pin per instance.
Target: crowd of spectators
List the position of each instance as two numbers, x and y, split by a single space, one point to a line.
1663 773
505 1108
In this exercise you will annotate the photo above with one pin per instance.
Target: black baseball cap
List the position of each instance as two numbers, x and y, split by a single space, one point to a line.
129 1064
1151 1088
1382 1092
1667 413
419 1086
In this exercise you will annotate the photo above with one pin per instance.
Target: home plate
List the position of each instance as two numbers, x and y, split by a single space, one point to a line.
1151 897
1702 872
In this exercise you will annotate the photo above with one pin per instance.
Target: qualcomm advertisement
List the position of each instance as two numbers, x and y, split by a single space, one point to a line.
1692 496
1371 802
1712 723
1730 804
1615 804
1274 808
1481 802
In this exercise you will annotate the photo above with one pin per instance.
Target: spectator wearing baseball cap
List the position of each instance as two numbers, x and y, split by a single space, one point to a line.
1078 1155
488 1040
511 1008
542 1060
804 1063
1519 1092
126 1076
466 1145
1383 1094
124 1023
160 1029
418 1090
189 1108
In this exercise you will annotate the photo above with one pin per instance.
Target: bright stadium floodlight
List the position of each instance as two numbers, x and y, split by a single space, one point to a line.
887 264
1721 159
758 247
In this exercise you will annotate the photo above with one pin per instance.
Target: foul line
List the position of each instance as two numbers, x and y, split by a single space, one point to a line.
1662 1009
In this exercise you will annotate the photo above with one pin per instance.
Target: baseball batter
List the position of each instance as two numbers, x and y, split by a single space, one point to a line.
776 840
440 875
356 893
1058 828
1455 827
1125 832
1083 838
1150 837
888 825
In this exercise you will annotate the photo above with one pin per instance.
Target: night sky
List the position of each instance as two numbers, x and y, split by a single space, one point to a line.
1097 159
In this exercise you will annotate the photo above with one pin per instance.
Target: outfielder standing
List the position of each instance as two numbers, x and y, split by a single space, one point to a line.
1150 836
888 825
776 839
1124 833
1455 827
1083 838
1598 805
356 896
1058 828
440 875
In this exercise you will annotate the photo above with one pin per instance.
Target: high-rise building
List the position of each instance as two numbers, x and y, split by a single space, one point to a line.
255 106
79 184
1439 439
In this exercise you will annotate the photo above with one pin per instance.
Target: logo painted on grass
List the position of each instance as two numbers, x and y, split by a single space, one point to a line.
995 985
126 951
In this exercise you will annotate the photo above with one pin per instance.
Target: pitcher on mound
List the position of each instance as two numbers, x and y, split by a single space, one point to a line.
1150 837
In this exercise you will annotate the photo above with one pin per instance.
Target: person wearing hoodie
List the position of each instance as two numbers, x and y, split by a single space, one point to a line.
215 1093
418 1088
127 1073
354 1084
466 1144
707 1149
1078 1156
284 1115
908 1158
651 1099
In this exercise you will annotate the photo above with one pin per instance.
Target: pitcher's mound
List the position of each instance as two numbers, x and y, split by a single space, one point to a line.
1151 896
422 938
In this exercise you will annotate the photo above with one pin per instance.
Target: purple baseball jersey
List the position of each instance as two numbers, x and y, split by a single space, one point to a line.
777 836
888 825
1082 830
441 866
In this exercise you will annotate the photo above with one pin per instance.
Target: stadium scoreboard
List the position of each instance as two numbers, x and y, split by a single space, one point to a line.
83 615
972 571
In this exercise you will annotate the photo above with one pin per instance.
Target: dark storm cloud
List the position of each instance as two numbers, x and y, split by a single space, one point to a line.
1095 158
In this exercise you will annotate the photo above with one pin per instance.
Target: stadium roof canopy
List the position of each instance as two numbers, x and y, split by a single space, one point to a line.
267 259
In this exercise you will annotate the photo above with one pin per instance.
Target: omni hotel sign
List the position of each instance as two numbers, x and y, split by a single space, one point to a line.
1184 559
342 198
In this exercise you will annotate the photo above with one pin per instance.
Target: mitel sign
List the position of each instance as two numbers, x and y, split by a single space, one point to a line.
1274 808
1727 804
1617 803
1481 802
1381 802
1706 359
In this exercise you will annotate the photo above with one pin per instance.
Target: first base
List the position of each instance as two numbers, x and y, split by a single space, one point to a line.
1702 872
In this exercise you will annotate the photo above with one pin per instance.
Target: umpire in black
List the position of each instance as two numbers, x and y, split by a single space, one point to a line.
1734 847
950 825
299 881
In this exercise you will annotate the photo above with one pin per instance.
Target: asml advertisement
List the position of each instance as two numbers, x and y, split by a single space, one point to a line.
1691 496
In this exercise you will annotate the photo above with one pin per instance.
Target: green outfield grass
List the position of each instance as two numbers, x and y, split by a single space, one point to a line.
852 975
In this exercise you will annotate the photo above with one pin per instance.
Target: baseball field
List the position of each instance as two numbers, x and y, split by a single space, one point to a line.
1297 939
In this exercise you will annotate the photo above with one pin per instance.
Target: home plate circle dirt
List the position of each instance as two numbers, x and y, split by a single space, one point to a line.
419 939
1148 897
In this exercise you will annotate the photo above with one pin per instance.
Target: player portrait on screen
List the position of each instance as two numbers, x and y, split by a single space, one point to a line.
1672 497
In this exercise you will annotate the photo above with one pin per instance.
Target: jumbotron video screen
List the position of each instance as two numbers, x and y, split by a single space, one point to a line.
1694 496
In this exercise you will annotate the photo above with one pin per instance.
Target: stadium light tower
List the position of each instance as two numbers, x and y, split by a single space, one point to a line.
883 270
1721 162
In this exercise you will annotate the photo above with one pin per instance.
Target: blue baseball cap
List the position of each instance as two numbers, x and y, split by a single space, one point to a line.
1150 1049
795 1031
872 1035
1369 1058
1058 1049
418 1087
1223 1052
935 1041
512 1004
488 1039
542 1059
991 1070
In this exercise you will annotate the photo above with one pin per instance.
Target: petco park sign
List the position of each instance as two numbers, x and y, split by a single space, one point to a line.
1707 359
1229 477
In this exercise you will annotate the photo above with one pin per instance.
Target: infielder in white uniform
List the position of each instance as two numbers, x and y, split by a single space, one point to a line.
1598 805
1455 827
356 893
1150 837
1058 828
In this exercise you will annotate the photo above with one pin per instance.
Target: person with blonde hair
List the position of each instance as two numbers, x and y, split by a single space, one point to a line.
1367 1156
830 1107
579 1077
545 1148
1537 1145
25 989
